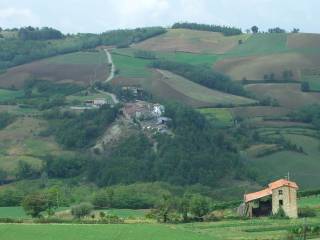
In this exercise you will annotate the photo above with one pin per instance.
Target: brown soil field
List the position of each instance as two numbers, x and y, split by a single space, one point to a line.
288 95
184 40
259 111
254 68
80 74
303 40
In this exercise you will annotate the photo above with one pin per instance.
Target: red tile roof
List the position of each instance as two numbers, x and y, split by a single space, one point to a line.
268 191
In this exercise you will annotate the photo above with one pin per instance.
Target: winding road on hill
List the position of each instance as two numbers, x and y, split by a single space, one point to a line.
111 76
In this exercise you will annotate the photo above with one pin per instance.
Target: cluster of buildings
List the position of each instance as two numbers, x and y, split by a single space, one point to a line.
149 115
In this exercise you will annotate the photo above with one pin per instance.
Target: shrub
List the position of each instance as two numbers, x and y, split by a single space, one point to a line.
306 212
280 214
81 210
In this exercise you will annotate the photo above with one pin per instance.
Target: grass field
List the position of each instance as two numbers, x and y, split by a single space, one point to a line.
219 116
255 229
84 96
126 213
131 67
303 167
97 232
12 212
201 93
260 44
6 95
312 201
184 40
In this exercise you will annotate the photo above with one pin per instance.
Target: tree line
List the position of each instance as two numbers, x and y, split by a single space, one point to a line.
27 47
45 33
202 75
225 30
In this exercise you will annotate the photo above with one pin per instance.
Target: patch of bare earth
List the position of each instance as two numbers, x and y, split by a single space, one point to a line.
255 67
184 40
303 40
80 74
287 95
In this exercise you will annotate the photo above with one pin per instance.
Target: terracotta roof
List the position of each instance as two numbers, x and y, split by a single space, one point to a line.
268 191
256 195
282 182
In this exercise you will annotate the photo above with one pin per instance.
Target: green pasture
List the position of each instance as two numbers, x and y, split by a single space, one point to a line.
94 58
126 213
218 115
12 212
6 95
313 80
312 201
131 67
259 44
303 167
254 229
82 97
97 232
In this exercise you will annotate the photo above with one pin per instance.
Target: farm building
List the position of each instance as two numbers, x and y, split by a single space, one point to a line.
278 194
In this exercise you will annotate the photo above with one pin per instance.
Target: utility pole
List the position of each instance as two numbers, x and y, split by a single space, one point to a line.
304 229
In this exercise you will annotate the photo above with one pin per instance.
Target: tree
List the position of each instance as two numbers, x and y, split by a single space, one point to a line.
35 203
103 199
255 29
295 30
199 206
305 87
184 206
164 207
81 210
26 171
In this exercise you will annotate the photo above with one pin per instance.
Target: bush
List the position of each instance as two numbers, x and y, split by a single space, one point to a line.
280 214
306 212
81 210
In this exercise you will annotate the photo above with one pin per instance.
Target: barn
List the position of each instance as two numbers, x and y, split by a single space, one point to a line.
278 194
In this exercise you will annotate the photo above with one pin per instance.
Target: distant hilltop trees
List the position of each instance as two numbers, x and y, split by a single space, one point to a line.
45 33
227 31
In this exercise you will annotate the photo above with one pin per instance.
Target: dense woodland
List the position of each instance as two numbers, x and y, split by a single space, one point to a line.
203 75
227 31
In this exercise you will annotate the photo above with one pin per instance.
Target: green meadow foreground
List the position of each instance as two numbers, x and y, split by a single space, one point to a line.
231 229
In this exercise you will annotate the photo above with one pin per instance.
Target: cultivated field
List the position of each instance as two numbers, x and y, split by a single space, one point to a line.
184 40
255 67
206 96
218 116
80 68
288 95
303 40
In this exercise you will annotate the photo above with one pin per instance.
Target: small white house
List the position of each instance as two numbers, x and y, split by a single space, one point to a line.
99 102
158 110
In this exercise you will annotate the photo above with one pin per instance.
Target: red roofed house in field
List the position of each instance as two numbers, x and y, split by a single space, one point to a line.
281 193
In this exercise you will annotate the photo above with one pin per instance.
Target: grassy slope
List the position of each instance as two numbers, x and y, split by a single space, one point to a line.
260 44
6 95
200 93
303 168
220 116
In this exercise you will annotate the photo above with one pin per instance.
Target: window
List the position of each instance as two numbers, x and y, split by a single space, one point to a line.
280 192
281 202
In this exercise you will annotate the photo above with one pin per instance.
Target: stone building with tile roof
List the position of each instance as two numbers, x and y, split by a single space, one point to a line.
278 194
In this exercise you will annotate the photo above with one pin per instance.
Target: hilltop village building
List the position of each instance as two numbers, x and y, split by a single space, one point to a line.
278 194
